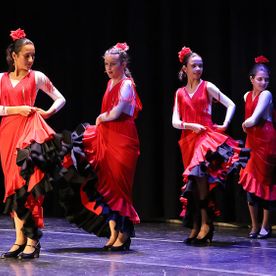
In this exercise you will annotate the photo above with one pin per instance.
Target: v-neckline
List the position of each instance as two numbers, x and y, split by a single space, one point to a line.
19 81
195 91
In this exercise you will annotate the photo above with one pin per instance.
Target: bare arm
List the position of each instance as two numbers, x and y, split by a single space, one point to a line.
215 93
23 110
46 86
179 124
265 99
123 105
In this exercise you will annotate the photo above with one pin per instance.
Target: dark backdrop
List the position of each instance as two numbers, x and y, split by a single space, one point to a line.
71 38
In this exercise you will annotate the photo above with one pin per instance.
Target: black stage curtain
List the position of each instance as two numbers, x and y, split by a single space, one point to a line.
71 39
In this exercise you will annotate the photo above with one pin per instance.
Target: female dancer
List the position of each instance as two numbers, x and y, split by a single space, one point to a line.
24 135
208 154
105 154
259 176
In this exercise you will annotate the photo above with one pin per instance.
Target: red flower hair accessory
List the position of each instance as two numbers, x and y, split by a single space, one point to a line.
184 51
261 59
17 34
121 47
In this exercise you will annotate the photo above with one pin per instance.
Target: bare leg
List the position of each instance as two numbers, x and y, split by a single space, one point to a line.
196 216
194 231
114 233
203 190
266 227
20 238
121 239
253 210
266 217
31 246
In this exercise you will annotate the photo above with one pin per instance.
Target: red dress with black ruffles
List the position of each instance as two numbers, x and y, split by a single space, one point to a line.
210 153
111 150
23 194
259 175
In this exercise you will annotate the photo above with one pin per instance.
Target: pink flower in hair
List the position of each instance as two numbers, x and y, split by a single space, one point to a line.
122 46
261 59
184 51
17 34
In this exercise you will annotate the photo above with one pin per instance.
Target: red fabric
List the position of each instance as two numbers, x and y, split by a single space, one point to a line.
193 146
112 149
18 132
109 101
259 175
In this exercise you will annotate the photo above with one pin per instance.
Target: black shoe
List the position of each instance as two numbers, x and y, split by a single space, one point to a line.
125 246
207 238
189 240
192 237
253 235
34 254
267 233
107 247
14 254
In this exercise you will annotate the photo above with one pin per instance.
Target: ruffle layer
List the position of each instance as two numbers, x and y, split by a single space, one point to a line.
216 166
74 211
78 194
116 161
27 200
75 191
38 134
251 185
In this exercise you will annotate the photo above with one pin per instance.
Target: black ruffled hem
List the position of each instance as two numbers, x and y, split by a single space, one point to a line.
76 213
214 162
47 157
81 176
16 203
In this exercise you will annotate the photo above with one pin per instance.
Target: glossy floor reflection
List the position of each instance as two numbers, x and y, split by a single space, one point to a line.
157 250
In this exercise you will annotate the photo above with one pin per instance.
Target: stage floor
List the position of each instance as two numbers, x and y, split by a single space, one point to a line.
157 249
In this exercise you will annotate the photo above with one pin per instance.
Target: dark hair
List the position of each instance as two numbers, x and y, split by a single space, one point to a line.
16 47
181 74
258 67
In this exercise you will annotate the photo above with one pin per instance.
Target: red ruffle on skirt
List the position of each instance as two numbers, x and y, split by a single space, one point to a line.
35 130
210 154
113 157
259 175
25 183
195 147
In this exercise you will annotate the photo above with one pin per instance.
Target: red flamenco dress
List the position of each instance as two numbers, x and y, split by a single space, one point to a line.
259 175
105 157
208 154
22 139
